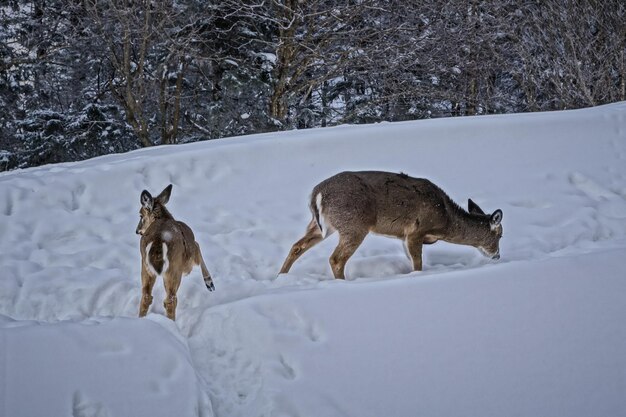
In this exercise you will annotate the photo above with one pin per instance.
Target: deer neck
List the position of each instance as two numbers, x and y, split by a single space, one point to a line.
161 213
465 228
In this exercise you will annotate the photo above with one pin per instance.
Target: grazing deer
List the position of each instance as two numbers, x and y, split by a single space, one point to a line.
412 209
168 248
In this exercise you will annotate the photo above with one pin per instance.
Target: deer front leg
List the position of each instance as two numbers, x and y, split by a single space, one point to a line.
147 282
171 282
414 247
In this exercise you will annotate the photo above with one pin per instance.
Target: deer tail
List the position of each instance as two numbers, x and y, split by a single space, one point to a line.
316 208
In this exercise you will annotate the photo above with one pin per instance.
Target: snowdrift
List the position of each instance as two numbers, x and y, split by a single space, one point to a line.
538 333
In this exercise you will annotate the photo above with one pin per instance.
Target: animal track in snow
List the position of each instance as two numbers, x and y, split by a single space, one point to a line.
288 370
77 193
169 367
83 407
589 187
8 207
13 199
531 204
292 322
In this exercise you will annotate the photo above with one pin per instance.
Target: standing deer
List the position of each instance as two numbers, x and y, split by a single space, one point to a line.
412 209
168 248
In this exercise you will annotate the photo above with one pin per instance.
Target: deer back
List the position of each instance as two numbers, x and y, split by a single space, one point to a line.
383 202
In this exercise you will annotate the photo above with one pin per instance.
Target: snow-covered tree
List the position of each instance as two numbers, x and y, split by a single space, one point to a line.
80 79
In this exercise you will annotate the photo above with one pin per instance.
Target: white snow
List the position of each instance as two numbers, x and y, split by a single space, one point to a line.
539 333
267 56
98 367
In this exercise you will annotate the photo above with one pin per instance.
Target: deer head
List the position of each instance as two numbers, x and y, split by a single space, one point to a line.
490 238
152 208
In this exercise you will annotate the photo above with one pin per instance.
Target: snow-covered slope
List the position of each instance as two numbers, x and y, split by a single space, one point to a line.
538 333
97 368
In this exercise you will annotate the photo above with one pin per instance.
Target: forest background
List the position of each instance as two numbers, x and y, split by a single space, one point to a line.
85 78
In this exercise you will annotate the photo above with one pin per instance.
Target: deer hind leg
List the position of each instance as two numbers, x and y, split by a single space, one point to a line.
414 247
348 244
147 283
171 281
208 281
312 237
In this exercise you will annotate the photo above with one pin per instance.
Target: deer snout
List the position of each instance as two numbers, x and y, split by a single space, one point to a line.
490 254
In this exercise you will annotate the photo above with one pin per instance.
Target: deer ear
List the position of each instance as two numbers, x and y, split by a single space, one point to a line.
473 207
146 200
164 197
496 219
